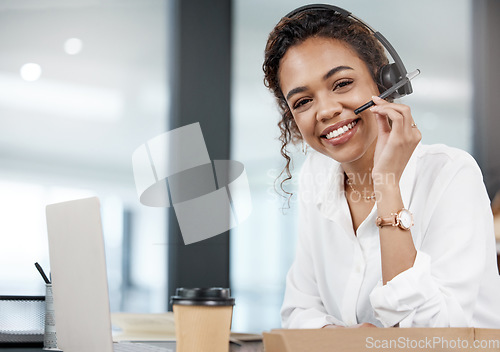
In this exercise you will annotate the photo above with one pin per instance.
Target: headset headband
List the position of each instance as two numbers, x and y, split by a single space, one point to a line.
389 74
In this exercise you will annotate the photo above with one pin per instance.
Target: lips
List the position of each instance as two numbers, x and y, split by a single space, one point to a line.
339 128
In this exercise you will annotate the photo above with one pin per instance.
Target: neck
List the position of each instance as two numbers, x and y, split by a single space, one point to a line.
360 171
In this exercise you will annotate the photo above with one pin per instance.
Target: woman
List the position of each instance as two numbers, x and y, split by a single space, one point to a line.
360 260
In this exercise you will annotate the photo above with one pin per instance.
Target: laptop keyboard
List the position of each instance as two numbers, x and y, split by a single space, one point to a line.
138 347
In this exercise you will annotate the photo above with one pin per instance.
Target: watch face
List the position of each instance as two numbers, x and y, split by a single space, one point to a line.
405 219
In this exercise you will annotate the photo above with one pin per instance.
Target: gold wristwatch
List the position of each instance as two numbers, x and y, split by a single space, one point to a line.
403 219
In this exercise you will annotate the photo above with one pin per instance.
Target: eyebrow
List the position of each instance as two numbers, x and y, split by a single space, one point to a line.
325 77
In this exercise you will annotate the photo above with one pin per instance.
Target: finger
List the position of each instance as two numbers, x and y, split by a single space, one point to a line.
362 325
383 124
379 101
332 326
404 110
397 119
401 132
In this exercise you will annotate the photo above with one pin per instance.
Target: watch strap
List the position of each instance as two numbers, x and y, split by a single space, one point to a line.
391 220
395 220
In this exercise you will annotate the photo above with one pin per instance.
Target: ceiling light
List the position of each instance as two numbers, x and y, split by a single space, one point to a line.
73 46
31 72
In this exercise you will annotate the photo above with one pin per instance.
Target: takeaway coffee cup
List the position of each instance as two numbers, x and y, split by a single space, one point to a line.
202 319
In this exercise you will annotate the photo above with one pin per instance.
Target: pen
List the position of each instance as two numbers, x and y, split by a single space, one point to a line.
40 270
389 91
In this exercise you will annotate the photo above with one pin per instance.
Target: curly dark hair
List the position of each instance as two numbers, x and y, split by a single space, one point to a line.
294 30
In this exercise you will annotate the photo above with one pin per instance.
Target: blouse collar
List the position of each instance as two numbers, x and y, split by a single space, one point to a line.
331 201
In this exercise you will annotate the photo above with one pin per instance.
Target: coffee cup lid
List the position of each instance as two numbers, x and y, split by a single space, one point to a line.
213 296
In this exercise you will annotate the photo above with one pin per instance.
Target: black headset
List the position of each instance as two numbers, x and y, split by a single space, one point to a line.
390 74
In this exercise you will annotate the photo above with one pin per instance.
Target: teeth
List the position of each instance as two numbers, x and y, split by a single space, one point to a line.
340 130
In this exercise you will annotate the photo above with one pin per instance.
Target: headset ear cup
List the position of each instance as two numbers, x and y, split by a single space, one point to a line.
390 75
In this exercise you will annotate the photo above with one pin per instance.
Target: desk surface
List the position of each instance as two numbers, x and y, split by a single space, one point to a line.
247 347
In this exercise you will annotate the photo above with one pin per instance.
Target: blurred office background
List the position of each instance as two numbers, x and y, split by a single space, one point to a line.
85 82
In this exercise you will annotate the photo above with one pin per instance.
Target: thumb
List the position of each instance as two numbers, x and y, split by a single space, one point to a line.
383 124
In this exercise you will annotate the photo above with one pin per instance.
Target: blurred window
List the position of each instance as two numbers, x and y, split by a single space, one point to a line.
82 84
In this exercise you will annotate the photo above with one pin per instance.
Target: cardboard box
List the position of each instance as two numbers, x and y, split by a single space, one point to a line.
379 339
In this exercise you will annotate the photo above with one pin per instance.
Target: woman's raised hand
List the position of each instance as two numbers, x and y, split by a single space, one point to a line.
395 144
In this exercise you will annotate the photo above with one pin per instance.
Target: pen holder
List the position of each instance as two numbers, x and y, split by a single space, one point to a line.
49 337
21 319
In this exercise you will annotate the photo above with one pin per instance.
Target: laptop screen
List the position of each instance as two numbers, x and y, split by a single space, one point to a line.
78 269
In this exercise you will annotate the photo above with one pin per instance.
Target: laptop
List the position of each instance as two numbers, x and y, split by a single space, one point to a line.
79 280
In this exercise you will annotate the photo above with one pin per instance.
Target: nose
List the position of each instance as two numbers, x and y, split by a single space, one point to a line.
328 108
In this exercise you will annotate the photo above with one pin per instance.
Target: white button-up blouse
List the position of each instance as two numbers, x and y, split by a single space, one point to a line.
336 276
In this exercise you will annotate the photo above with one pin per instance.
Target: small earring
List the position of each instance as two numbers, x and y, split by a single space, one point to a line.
304 147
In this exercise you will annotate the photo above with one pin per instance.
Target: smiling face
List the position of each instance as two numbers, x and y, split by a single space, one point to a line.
324 81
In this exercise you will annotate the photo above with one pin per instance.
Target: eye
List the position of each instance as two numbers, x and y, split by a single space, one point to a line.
301 102
342 83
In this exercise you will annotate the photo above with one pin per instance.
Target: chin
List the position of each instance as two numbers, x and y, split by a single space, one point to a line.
347 155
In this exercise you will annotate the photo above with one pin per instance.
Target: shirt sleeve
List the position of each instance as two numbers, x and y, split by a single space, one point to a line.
302 308
441 288
302 305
